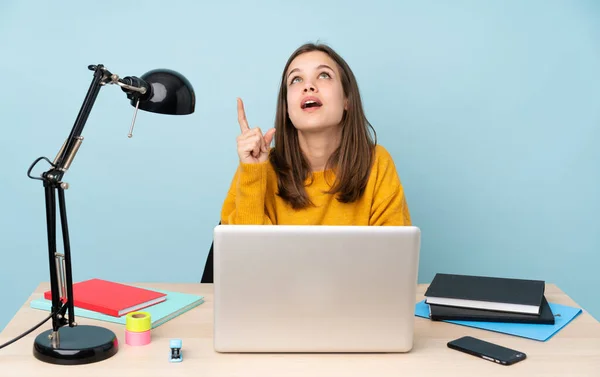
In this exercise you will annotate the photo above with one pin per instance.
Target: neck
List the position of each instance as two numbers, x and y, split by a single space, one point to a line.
318 146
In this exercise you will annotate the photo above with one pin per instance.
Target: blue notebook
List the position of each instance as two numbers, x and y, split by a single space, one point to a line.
562 314
176 304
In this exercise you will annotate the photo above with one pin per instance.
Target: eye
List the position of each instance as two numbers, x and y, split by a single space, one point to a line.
295 79
325 75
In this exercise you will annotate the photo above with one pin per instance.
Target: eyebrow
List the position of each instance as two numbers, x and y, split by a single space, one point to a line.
319 67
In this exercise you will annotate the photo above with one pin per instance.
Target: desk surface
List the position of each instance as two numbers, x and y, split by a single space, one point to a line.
574 351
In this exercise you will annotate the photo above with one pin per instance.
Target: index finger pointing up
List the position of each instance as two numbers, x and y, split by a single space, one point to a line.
242 116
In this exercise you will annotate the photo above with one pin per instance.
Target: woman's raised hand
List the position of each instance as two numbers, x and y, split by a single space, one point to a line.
252 145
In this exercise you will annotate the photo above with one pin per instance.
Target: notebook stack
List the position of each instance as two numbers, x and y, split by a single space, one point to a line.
111 298
110 301
488 299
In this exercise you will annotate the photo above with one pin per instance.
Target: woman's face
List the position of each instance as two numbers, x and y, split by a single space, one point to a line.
315 96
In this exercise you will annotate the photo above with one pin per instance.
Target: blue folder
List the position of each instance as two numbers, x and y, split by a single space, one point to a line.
563 315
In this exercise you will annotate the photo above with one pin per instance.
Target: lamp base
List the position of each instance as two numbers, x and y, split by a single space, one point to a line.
77 345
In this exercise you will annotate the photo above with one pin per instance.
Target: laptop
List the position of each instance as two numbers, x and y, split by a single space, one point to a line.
315 288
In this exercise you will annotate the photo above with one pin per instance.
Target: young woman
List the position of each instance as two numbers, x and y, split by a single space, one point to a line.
325 168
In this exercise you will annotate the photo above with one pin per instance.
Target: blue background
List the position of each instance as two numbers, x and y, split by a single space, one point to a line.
491 111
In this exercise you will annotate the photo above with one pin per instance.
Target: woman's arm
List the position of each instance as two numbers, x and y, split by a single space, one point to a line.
245 201
389 205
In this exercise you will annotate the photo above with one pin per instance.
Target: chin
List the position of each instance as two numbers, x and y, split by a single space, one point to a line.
313 127
314 124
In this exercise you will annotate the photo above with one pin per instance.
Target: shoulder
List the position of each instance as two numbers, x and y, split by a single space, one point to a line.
383 159
383 170
382 153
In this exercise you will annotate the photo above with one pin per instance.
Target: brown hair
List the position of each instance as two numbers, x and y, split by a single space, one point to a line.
353 158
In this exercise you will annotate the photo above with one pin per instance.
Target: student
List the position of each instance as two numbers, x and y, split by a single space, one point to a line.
325 167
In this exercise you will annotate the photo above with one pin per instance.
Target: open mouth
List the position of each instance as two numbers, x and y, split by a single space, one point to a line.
309 103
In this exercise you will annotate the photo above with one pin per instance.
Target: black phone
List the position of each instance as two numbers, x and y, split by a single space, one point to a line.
486 350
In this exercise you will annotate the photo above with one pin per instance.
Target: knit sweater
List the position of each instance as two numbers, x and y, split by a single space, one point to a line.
252 198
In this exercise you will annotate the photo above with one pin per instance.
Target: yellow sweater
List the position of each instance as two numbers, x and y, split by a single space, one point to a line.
252 198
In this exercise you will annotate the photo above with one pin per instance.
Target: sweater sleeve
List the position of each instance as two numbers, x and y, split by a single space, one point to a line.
391 210
389 205
245 201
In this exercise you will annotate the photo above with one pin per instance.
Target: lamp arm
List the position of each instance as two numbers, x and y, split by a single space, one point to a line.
102 77
66 154
61 279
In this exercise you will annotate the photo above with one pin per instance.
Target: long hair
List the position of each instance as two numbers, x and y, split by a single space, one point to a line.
351 161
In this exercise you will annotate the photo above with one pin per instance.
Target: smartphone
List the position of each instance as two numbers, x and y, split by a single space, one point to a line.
486 350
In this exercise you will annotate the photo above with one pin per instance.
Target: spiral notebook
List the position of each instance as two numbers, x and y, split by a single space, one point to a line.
176 304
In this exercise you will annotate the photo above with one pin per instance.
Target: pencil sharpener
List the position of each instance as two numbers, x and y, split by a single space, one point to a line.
176 356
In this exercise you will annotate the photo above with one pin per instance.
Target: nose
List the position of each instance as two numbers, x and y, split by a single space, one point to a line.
309 87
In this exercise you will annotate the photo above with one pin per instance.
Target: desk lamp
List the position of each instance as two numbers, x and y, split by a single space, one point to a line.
159 91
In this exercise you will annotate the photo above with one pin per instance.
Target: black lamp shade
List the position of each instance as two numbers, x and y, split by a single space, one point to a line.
170 93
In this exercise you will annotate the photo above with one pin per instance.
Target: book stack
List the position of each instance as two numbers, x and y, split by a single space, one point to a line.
111 298
110 301
487 299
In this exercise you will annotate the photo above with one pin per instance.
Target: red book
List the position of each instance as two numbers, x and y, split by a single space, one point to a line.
111 298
